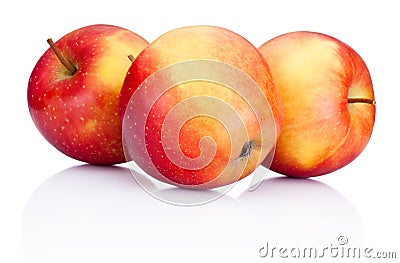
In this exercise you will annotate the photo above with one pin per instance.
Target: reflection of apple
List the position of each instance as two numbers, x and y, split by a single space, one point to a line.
200 43
328 101
97 214
73 92
298 212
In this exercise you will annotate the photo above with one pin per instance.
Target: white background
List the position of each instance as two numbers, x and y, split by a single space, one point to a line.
53 209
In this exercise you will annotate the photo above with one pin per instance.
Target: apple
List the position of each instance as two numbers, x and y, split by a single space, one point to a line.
74 88
199 108
328 102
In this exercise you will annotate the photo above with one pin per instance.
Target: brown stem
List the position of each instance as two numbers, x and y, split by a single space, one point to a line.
131 58
71 68
361 100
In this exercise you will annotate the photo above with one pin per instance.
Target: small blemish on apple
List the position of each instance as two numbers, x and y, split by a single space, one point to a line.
246 150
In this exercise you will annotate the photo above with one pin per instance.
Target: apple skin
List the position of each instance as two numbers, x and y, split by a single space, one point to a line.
204 43
328 101
78 114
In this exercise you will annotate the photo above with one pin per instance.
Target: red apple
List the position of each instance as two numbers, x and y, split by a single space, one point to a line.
73 92
198 108
328 101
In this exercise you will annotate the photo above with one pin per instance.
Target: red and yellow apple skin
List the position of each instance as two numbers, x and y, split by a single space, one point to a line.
200 43
78 113
328 101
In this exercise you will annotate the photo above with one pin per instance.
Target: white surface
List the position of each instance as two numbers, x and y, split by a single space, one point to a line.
55 210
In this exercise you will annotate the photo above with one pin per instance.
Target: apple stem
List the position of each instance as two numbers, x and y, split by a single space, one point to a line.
131 58
361 100
60 57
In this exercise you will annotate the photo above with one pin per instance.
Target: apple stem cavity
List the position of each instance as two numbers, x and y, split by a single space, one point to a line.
71 68
361 100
